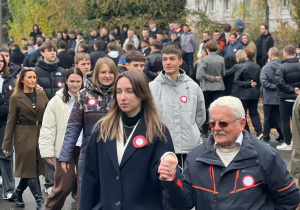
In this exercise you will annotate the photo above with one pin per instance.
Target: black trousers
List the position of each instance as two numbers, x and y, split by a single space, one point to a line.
209 97
286 110
251 105
271 120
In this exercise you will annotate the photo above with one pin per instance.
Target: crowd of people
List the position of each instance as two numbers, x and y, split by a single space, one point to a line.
123 121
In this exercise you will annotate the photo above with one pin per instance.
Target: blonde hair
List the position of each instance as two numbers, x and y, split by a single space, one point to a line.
112 66
109 125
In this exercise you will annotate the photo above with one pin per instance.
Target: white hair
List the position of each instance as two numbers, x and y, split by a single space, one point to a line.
234 104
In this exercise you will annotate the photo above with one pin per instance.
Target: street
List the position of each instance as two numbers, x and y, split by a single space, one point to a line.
70 202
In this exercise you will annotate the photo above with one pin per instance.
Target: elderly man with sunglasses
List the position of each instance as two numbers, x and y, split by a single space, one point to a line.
231 170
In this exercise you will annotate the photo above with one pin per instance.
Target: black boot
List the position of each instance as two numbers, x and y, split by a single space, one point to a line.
17 196
35 188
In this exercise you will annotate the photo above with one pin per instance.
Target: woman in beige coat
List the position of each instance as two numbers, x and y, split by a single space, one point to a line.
52 137
26 110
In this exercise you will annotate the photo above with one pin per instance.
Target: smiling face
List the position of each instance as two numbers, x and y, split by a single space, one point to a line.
106 76
74 83
126 98
1 63
226 136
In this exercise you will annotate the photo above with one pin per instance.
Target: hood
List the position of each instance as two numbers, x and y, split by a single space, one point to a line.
274 64
113 54
48 67
165 79
81 40
189 32
248 37
239 24
59 93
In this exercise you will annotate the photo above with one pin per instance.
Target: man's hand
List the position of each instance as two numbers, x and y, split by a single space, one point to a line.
50 160
218 78
253 84
5 152
167 167
65 166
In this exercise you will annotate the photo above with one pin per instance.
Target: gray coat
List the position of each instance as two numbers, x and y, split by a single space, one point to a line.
267 80
188 42
208 69
181 106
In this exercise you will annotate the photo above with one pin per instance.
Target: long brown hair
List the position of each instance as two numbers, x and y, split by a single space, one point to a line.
109 125
66 96
5 70
19 84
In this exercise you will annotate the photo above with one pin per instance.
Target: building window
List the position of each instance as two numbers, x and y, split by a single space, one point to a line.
227 5
212 5
197 5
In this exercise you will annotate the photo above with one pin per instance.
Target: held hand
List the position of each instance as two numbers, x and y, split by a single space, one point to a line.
65 166
50 160
5 152
167 167
38 87
253 84
218 78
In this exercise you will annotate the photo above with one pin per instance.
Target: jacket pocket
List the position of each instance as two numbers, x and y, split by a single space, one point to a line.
19 135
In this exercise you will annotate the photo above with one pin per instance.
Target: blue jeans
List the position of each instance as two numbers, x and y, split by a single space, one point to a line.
189 59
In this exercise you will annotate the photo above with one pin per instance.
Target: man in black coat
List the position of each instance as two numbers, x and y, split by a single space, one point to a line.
17 56
175 40
65 59
153 29
97 53
72 39
104 37
93 38
50 78
264 43
287 79
153 64
34 56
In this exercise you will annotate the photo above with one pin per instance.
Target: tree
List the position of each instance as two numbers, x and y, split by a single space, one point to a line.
294 8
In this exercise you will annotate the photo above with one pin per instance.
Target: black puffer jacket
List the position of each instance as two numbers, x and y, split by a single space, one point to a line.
7 90
153 64
287 78
50 76
249 71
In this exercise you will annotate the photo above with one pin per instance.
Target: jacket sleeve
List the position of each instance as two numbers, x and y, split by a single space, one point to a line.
179 191
201 72
223 72
200 110
281 84
90 186
281 185
48 131
264 80
232 70
147 69
11 123
194 43
237 80
74 127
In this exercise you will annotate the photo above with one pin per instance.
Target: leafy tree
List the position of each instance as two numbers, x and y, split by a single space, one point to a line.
294 7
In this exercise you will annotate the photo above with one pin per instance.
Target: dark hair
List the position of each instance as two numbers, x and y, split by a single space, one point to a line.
38 29
156 44
289 49
59 32
39 43
250 53
80 34
212 46
185 25
234 34
207 32
16 45
118 30
98 44
48 46
174 32
40 36
129 46
84 46
4 50
66 96
216 31
236 30
135 56
93 29
125 26
159 33
65 31
172 49
153 36
227 27
71 51
63 44
230 61
23 39
145 41
72 31
19 84
5 70
265 25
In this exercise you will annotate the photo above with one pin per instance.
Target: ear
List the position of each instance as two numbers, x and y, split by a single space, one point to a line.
243 123
181 61
127 64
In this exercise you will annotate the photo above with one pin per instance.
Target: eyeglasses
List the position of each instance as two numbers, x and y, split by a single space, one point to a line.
222 123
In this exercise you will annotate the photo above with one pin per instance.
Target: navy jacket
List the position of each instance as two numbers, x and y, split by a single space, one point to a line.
132 185
231 49
267 80
257 178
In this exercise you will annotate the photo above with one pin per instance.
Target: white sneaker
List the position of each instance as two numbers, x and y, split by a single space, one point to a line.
259 137
0 180
48 190
284 146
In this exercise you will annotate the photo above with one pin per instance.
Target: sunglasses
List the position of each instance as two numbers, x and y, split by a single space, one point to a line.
222 123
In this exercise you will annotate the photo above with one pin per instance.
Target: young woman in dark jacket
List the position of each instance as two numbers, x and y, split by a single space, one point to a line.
7 84
248 81
124 151
92 104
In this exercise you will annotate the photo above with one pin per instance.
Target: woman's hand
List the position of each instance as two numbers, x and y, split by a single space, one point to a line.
5 152
65 166
50 160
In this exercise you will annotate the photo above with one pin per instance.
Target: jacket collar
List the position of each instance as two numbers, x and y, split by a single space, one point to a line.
24 100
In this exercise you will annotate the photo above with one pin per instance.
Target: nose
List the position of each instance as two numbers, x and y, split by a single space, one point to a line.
217 127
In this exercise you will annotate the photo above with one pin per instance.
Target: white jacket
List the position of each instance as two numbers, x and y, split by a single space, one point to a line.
181 106
54 126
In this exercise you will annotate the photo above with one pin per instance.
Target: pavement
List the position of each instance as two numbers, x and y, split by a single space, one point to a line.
70 202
